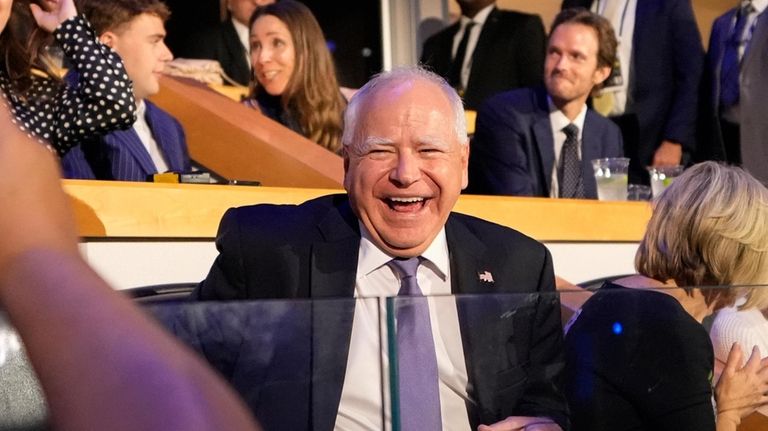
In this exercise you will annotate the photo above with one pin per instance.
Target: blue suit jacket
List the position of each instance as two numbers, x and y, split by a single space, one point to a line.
121 155
753 92
513 150
664 77
310 251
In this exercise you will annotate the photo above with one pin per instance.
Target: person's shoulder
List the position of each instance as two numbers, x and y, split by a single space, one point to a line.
276 216
518 16
494 235
519 100
159 113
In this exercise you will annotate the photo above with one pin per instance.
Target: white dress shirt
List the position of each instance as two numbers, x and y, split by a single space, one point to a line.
243 33
558 120
621 14
145 136
365 392
479 21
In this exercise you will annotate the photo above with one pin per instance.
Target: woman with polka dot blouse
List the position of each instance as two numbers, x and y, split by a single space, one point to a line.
43 105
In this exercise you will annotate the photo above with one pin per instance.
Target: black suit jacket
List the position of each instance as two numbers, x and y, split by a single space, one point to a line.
513 356
509 54
664 77
222 44
513 150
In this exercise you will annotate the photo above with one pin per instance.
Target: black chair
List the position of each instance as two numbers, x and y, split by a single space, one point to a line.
160 293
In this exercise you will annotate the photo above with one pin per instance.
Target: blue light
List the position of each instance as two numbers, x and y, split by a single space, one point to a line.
617 328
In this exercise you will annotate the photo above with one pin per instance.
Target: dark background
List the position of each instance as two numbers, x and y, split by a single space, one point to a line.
352 29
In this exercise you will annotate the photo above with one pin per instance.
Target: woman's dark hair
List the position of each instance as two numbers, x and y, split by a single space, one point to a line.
22 48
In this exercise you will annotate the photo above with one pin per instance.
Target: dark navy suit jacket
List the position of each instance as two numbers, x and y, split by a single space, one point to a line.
509 54
753 92
310 251
121 155
664 77
513 150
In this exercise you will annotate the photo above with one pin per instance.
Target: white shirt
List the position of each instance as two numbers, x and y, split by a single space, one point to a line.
243 33
361 397
479 21
558 121
145 136
623 21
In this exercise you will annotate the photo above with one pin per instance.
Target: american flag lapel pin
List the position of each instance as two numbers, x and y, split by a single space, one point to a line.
485 276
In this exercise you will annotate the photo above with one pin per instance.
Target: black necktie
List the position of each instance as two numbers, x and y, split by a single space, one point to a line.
454 73
731 64
569 166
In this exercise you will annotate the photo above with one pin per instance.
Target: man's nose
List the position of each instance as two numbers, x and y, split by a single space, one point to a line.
407 170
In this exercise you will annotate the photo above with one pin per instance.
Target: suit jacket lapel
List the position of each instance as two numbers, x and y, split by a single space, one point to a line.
545 142
166 140
590 149
484 46
332 276
129 140
478 315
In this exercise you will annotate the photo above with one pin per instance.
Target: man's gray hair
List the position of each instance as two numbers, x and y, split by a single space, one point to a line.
398 75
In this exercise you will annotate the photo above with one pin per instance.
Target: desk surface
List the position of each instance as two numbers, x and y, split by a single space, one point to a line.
113 209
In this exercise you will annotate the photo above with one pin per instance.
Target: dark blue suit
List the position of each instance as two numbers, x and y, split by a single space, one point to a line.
121 155
753 93
310 251
513 150
664 77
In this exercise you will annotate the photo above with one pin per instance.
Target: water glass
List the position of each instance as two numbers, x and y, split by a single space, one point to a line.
611 176
662 177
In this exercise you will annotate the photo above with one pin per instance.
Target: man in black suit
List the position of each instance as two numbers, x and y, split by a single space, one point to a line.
521 145
405 156
228 43
502 50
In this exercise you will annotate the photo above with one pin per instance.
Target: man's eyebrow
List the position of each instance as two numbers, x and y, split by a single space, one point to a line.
371 141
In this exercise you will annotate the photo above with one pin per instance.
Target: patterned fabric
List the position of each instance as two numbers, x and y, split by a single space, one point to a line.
731 66
416 358
569 176
63 115
121 156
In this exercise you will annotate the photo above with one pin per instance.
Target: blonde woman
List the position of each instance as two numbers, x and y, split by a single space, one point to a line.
640 359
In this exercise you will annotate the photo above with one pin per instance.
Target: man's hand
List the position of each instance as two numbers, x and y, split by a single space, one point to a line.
53 13
522 423
668 154
741 390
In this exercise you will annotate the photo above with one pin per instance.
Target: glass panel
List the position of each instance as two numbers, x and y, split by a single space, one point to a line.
630 357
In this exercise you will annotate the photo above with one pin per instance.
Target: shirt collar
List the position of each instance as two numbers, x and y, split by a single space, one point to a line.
242 33
481 16
759 5
373 258
559 120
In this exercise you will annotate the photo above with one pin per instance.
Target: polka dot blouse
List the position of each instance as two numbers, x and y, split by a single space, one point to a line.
64 115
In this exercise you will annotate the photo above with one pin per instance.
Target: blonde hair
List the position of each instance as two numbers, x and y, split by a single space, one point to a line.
710 228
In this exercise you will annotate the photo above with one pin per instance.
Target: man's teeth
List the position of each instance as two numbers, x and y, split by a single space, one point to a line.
407 200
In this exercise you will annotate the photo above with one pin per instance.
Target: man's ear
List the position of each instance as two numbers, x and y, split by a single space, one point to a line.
601 74
108 38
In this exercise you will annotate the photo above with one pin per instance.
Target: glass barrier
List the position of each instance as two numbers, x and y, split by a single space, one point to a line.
615 358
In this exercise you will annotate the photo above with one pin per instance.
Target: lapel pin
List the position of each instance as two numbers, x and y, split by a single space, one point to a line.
485 276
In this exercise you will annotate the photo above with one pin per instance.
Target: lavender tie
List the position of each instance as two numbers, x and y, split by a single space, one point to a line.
416 360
